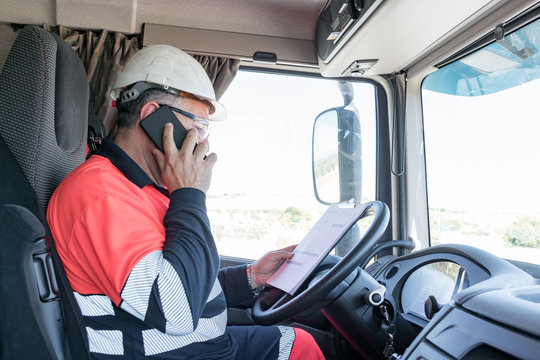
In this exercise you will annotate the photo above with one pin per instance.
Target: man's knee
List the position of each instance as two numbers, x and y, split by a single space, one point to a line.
305 347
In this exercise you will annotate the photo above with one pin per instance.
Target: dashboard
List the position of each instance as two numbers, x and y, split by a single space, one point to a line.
438 273
444 302
459 302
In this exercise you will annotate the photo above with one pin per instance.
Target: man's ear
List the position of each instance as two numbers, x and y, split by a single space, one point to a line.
147 109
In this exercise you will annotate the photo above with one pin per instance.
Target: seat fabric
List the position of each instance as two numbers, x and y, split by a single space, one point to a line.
43 110
44 98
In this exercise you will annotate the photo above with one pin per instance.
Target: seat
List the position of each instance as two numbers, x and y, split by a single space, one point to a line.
44 97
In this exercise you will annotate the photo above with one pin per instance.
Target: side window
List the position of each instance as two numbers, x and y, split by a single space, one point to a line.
262 196
481 134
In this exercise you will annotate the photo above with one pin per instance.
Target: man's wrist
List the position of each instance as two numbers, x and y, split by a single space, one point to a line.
249 274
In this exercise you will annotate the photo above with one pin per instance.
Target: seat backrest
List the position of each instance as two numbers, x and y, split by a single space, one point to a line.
43 111
44 97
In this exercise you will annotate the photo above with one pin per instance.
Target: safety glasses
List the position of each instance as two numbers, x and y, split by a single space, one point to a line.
203 126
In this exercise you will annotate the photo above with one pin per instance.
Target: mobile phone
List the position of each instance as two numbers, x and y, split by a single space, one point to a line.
154 124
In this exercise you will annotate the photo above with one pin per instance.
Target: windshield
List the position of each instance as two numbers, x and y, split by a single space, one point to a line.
262 195
481 128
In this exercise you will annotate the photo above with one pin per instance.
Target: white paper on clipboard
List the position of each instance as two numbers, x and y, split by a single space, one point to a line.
315 245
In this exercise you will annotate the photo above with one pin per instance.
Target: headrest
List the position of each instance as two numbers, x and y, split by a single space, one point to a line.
72 97
44 108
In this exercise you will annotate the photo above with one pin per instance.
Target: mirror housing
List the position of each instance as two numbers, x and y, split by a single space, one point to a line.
337 156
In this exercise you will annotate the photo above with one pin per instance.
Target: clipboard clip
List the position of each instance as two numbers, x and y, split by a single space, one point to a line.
348 205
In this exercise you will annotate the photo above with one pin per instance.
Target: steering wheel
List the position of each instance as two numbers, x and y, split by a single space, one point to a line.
273 305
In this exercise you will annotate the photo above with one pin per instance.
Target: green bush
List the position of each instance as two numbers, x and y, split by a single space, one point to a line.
525 231
293 215
326 166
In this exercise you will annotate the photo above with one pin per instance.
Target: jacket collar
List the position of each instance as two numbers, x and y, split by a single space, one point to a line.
127 166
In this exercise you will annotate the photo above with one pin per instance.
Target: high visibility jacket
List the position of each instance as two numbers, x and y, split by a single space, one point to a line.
144 268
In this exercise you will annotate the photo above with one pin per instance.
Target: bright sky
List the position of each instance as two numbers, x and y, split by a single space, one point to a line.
483 152
265 145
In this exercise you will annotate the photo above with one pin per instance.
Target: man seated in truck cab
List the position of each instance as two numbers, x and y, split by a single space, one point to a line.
131 228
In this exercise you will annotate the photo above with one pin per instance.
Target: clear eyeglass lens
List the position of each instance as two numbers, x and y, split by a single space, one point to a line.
203 127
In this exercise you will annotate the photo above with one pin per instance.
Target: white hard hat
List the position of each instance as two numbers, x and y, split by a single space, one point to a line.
173 70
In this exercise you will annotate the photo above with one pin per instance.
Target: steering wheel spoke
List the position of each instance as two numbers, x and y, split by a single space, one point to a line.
282 300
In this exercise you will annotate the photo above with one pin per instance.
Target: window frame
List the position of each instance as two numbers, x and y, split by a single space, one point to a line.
383 180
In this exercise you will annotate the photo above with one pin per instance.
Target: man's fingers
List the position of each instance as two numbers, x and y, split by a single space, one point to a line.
211 158
286 252
201 150
184 168
190 141
169 147
290 248
279 256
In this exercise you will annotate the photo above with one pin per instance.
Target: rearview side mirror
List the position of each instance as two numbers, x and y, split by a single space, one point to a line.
337 156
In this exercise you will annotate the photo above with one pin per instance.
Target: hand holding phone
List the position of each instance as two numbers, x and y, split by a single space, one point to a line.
183 168
178 171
